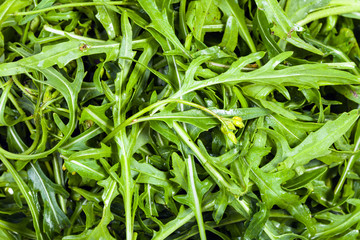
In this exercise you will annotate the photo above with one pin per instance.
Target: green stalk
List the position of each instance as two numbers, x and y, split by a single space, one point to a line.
348 167
133 118
58 176
328 12
25 157
214 27
119 115
121 140
25 33
172 226
128 191
191 174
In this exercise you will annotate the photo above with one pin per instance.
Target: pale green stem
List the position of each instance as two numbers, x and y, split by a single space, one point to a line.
348 167
188 216
328 12
133 118
196 198
57 169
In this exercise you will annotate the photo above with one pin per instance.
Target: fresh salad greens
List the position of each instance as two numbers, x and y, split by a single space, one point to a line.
179 119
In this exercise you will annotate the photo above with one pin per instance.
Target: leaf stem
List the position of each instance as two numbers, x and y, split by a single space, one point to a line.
134 117
191 172
347 168
328 12
188 215
58 176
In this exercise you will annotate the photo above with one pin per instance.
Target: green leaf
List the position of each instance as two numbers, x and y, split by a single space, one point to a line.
304 179
165 131
43 4
219 177
297 10
283 26
179 119
19 228
97 115
294 131
151 175
302 76
337 224
108 19
317 143
182 217
339 56
231 8
160 22
221 203
86 168
90 216
257 223
101 230
205 121
230 38
195 193
5 118
16 144
269 185
272 194
262 25
110 192
200 13
94 153
54 219
10 6
79 142
179 171
28 195
60 54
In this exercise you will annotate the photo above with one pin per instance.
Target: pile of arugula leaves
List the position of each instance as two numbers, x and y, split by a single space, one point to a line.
179 119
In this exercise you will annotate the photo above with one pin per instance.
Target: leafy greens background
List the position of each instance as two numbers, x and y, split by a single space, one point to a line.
179 119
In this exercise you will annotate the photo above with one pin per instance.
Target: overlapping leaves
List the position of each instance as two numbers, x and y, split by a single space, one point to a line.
179 119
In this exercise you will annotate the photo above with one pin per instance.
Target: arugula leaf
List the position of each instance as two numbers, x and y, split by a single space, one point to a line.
283 26
186 119
109 20
269 185
337 223
297 10
54 219
161 23
87 168
318 143
195 192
